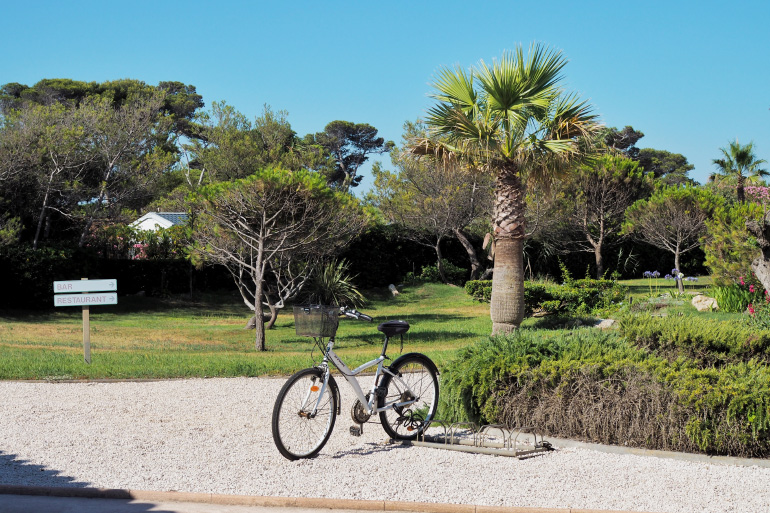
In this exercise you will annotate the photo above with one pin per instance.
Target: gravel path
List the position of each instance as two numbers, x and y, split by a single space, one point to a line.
213 436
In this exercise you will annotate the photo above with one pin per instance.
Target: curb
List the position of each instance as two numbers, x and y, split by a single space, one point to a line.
288 502
672 455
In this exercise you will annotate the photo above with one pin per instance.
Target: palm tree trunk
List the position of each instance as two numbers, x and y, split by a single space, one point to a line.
508 225
740 189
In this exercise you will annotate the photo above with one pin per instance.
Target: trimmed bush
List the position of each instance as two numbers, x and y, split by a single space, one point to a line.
430 274
575 297
708 342
597 387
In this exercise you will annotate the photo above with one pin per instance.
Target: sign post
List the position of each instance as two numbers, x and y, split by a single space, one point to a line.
86 331
85 299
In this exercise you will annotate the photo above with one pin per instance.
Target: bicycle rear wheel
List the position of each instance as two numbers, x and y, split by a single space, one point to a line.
298 431
416 378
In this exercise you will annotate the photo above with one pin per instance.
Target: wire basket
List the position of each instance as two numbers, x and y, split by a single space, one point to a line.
316 320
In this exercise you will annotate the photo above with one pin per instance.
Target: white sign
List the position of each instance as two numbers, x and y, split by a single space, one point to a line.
102 298
84 286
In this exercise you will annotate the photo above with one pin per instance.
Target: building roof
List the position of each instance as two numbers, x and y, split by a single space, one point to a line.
157 220
174 217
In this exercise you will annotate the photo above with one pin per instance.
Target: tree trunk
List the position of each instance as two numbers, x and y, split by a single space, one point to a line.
507 303
761 264
440 264
508 225
761 268
740 190
599 262
259 320
472 257
273 313
679 284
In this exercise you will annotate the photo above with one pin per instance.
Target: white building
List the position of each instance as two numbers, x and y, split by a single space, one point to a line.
155 221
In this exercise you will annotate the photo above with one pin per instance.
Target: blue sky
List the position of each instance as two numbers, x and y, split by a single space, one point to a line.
691 75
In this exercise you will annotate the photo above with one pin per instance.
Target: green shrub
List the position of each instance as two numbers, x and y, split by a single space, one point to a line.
706 341
480 290
595 386
471 383
576 297
430 274
736 298
729 247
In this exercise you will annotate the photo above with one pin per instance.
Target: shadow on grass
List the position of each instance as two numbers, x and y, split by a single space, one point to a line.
371 340
559 322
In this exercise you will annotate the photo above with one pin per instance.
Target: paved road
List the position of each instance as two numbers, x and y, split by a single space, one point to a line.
37 504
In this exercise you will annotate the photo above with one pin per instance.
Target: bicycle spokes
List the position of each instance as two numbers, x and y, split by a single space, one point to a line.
410 420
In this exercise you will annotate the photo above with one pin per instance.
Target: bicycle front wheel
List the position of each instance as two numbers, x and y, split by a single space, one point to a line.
415 382
304 414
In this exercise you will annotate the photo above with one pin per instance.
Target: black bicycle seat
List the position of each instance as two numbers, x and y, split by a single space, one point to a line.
390 328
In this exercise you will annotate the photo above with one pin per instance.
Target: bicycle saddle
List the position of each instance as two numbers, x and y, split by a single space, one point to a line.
390 328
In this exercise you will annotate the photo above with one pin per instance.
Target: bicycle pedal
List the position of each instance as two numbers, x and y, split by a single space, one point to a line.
356 430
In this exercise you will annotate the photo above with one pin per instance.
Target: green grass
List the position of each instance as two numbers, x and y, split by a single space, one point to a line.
173 338
153 338
643 287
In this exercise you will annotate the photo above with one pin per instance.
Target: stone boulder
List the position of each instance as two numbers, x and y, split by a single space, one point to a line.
604 324
704 303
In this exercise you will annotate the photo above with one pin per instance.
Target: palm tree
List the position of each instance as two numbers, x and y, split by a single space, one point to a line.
510 119
739 165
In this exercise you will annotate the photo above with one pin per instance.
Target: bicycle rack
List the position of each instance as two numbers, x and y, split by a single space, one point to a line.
495 439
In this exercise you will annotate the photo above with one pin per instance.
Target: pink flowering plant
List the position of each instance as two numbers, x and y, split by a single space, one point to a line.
759 313
737 298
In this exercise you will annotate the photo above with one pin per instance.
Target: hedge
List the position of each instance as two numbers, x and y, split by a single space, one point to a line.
709 342
575 297
598 387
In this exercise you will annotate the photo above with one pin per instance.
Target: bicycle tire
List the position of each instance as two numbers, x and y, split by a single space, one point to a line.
297 434
421 376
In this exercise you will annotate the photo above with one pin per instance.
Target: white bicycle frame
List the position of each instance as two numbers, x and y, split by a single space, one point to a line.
350 377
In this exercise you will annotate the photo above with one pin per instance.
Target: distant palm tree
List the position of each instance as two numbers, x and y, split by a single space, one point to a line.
739 165
513 120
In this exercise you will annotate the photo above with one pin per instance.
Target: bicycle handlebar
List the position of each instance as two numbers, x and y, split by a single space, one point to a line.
353 314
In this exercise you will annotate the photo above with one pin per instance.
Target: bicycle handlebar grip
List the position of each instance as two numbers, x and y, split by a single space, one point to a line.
365 317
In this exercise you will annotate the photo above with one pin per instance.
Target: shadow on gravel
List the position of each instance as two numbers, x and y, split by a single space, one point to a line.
370 448
52 484
15 471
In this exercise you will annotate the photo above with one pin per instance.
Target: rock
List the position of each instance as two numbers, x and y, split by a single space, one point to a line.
605 323
704 303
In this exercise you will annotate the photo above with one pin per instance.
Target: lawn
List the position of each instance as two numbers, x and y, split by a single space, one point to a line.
154 338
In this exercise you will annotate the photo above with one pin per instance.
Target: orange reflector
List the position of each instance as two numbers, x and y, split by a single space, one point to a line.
314 388
410 428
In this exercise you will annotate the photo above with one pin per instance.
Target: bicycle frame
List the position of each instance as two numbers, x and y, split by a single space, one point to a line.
350 377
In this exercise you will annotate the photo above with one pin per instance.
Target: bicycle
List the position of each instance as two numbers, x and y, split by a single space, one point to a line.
404 394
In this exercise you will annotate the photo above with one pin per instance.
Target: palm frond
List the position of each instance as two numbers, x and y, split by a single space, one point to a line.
455 87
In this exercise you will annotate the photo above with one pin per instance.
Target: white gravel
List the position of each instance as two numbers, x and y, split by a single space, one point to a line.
213 436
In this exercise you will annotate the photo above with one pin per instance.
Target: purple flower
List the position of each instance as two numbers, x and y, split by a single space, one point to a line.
655 274
674 271
668 277
647 274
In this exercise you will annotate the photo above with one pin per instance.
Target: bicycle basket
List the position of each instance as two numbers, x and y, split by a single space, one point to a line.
316 320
